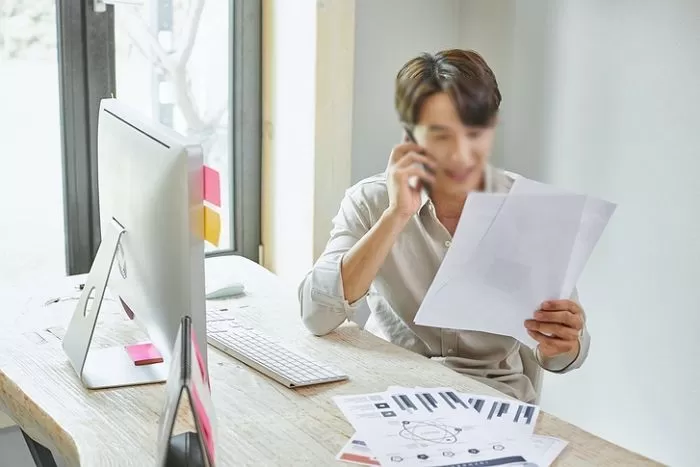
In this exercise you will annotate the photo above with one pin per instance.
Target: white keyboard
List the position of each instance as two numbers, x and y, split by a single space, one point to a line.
268 357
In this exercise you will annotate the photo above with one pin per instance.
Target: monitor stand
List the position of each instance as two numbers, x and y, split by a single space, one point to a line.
100 368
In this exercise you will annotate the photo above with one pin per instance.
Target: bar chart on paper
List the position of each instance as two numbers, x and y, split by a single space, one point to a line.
477 408
505 410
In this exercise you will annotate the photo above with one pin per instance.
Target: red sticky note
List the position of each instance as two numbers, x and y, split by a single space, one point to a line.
212 186
144 354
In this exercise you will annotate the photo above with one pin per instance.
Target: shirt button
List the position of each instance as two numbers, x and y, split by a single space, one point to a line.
448 243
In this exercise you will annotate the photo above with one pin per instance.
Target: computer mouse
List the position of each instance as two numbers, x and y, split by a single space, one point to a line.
228 291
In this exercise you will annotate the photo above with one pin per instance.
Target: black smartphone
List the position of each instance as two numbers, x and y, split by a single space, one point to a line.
426 185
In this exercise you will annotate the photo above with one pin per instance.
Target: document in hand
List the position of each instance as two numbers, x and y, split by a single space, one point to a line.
510 253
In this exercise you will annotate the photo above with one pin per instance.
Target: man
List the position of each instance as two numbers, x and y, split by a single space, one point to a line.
389 238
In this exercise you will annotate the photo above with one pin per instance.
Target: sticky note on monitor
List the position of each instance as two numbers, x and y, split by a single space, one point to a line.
205 424
212 226
212 186
144 354
200 359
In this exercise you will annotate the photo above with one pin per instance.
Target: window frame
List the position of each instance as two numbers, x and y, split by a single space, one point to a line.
86 60
245 121
86 75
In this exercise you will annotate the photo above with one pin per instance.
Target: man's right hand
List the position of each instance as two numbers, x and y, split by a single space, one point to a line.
407 160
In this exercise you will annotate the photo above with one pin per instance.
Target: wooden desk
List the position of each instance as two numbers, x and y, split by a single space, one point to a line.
259 421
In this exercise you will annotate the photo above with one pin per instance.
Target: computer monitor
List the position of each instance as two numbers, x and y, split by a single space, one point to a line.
152 249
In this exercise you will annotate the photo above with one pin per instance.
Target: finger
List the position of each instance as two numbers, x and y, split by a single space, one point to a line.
412 158
568 305
402 149
566 318
552 329
416 171
551 345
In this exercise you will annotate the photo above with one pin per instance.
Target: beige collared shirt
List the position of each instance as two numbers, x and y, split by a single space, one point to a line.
403 280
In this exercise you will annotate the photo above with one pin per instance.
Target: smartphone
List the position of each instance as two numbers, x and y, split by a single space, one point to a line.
426 186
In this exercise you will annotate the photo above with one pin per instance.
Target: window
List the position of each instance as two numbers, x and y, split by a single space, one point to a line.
193 65
31 219
172 63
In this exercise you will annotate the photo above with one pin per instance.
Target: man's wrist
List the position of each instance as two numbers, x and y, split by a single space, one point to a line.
560 362
395 217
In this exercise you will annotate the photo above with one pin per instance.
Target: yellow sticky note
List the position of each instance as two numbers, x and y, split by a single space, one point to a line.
212 226
197 221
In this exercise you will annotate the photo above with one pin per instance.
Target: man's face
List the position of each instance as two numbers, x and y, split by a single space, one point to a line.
461 152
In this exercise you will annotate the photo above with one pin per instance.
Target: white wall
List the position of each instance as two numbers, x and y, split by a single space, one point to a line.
623 117
289 43
335 54
601 97
308 53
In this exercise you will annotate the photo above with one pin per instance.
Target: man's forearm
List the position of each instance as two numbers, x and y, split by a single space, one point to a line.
361 264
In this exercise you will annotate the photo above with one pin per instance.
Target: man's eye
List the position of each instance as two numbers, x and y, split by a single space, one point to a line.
474 134
441 137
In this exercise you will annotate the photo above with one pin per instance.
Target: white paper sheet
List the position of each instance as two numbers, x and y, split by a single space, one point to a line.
406 437
442 427
477 216
520 261
596 215
546 451
510 253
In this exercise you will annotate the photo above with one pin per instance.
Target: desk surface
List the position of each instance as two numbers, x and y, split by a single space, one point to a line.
259 421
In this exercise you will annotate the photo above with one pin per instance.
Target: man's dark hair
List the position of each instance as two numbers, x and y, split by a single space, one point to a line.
463 74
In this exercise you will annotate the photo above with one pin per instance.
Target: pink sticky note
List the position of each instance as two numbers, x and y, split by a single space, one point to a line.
144 354
212 186
207 432
200 360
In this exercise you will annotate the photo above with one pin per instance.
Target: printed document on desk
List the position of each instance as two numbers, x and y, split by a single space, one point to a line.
403 431
510 253
443 427
546 450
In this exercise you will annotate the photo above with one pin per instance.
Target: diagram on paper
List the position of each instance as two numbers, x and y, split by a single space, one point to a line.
429 432
436 441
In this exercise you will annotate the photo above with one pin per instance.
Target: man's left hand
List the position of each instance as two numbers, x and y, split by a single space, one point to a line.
556 327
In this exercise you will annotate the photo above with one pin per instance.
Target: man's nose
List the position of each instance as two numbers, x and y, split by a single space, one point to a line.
463 153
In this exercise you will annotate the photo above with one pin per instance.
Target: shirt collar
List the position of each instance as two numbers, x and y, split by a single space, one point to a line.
490 182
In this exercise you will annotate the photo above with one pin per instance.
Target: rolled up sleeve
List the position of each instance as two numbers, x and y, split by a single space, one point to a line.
565 363
321 294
